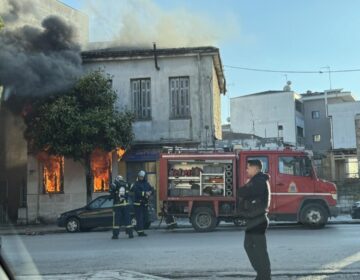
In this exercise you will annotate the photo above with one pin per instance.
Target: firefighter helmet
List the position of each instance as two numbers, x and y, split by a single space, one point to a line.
141 173
119 179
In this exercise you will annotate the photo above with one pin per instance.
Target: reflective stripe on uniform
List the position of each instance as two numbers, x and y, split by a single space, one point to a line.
137 204
129 226
113 218
122 204
116 227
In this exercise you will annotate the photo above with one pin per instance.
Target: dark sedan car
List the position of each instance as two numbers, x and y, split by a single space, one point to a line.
98 213
355 210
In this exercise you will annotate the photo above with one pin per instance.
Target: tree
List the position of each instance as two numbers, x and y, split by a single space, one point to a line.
74 124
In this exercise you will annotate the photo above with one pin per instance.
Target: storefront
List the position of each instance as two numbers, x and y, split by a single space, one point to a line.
147 160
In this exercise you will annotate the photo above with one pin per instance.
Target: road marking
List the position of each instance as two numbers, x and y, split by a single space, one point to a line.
335 267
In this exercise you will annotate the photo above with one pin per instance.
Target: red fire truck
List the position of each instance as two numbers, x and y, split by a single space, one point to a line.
202 186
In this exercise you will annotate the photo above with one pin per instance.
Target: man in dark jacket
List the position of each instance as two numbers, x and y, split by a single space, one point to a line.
255 196
119 191
142 191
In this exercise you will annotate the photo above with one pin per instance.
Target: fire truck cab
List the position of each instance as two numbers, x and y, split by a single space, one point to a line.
203 187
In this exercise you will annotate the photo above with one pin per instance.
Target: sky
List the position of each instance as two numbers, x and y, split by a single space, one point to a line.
280 35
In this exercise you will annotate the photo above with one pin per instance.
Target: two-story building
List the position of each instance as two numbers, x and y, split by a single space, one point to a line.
269 114
317 120
175 97
174 94
325 126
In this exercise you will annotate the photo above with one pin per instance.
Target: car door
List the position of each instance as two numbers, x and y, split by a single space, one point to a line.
293 182
106 213
93 215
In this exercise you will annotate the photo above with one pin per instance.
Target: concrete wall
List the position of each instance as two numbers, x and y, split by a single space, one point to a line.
261 114
343 124
161 127
317 126
13 158
46 207
217 106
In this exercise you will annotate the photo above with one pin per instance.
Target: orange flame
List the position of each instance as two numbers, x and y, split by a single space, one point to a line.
120 152
53 172
101 169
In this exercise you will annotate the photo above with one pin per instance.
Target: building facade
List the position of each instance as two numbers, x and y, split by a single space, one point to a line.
318 137
176 102
269 114
174 95
13 147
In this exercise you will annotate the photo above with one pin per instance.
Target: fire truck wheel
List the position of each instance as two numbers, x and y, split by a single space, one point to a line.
203 219
314 215
72 225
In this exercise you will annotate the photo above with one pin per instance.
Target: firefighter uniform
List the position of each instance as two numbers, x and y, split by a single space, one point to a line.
142 191
121 211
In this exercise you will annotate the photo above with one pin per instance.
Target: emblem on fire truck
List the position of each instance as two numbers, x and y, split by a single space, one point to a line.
292 188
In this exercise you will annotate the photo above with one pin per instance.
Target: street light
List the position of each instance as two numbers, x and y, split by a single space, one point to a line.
325 91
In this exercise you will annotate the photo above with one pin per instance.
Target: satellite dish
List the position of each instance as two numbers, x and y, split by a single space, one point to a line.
287 86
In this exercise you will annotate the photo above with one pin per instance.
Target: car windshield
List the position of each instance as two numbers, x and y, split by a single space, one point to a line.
108 203
97 203
156 139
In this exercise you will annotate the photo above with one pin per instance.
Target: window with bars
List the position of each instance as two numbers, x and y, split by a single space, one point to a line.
141 95
180 97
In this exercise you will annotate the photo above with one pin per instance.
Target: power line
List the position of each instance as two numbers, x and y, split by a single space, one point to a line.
291 71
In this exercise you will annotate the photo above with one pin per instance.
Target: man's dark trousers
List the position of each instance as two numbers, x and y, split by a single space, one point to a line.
140 212
256 249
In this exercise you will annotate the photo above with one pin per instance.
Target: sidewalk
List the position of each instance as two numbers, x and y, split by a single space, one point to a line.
132 275
182 223
115 275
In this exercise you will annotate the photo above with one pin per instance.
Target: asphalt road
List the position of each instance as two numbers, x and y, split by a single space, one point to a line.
295 253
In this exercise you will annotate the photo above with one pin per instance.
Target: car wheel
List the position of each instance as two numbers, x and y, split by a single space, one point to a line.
203 219
73 225
314 215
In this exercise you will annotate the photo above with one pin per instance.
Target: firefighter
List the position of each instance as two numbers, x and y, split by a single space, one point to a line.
142 191
256 195
121 213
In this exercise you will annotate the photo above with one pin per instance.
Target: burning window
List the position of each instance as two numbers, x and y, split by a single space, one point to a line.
52 173
101 170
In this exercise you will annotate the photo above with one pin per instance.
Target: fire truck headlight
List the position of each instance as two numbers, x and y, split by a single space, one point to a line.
334 195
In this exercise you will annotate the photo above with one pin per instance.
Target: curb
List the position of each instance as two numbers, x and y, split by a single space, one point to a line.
43 230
